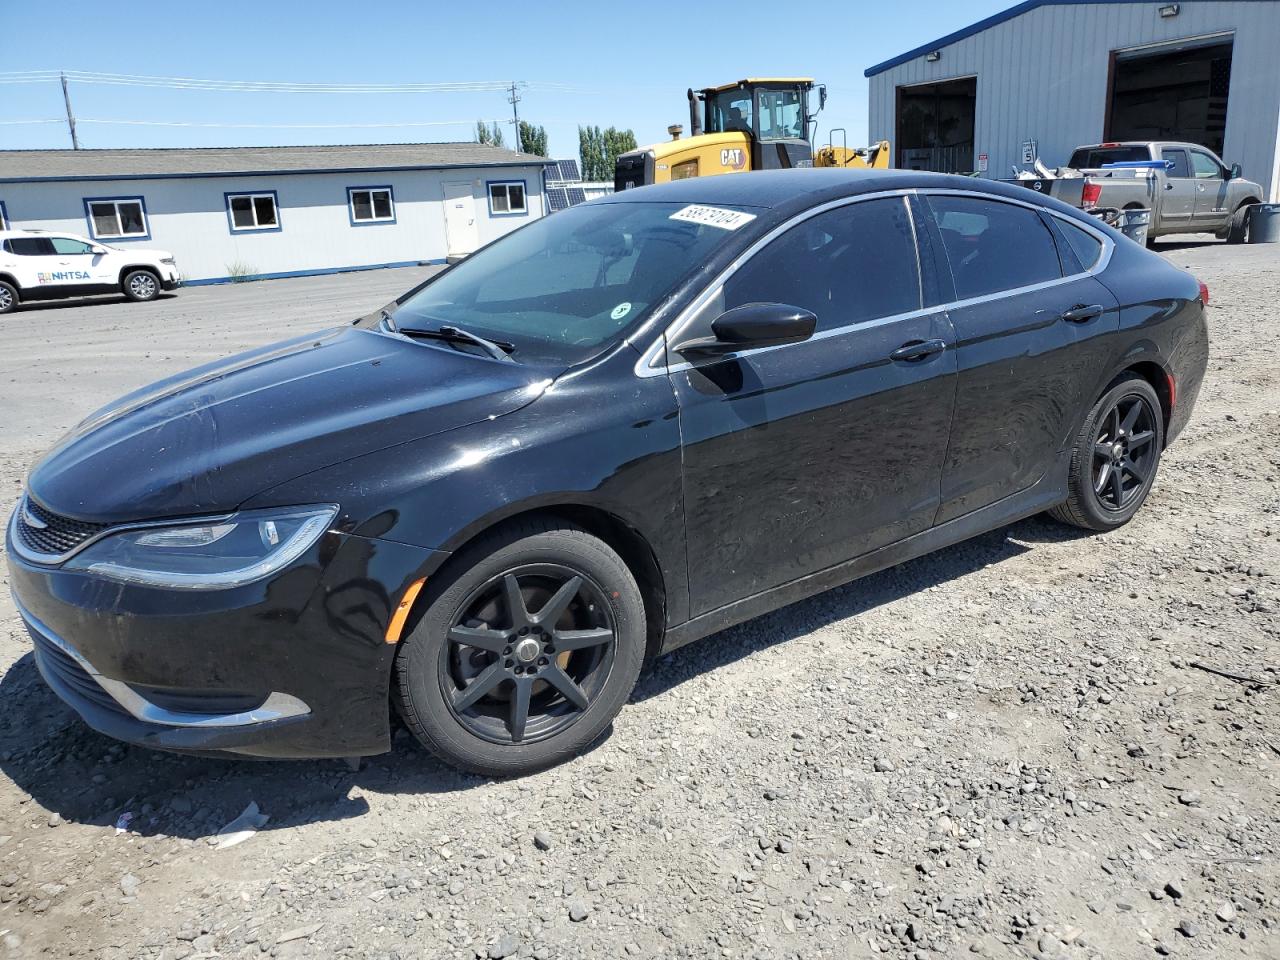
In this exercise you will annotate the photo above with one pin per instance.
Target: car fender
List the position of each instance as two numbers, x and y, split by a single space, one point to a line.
565 450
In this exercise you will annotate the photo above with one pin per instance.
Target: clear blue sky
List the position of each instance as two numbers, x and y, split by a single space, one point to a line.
626 65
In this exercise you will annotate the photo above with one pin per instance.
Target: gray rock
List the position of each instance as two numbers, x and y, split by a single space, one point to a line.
507 946
1188 929
541 840
882 765
1175 889
129 885
1227 912
578 911
1189 798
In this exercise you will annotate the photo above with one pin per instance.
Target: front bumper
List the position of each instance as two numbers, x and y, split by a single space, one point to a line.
293 666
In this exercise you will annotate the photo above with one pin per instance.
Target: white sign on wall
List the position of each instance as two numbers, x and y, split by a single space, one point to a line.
1030 151
983 162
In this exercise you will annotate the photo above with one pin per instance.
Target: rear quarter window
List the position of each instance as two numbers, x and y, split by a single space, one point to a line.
1087 247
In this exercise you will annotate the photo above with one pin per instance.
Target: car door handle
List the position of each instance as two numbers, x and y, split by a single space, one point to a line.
1082 313
914 351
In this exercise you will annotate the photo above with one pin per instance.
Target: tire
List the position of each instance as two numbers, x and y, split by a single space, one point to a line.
438 670
1096 500
1238 230
140 285
8 297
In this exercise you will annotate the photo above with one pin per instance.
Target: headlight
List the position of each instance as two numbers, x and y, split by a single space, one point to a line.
207 556
169 260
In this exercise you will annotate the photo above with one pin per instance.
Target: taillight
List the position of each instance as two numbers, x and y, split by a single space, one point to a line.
1204 293
1089 196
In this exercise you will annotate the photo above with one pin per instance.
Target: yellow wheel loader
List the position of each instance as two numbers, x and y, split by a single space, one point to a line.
761 123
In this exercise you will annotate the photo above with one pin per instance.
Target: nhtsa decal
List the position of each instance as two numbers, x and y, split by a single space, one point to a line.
60 275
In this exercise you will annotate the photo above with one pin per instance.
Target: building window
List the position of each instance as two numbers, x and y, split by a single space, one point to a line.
117 218
371 205
507 198
257 212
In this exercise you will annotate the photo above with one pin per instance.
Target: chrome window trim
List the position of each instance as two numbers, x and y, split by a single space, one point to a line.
651 362
277 706
55 559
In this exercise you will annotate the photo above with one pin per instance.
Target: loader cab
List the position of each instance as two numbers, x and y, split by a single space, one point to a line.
773 113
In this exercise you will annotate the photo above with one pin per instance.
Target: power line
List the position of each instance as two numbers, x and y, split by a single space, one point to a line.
271 126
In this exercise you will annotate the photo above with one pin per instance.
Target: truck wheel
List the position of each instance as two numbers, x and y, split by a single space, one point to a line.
1238 231
8 298
141 285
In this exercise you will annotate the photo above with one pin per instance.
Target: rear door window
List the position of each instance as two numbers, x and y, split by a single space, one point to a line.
993 246
1176 163
849 265
30 246
1093 157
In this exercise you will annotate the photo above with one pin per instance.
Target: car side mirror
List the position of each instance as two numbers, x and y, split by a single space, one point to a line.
98 251
750 326
1235 173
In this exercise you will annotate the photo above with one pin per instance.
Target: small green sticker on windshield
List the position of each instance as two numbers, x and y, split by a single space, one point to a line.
621 310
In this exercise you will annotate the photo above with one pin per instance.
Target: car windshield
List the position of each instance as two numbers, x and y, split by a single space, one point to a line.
1091 158
564 285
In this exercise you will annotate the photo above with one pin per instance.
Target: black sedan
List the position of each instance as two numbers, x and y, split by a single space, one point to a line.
621 428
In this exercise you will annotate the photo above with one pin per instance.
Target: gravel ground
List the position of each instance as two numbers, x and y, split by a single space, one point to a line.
1005 749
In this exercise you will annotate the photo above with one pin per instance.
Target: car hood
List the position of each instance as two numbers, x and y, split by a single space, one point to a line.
207 440
144 253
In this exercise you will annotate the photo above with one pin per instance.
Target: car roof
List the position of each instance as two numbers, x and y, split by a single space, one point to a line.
789 191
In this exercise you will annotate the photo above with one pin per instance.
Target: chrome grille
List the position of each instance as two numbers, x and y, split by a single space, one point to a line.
46 533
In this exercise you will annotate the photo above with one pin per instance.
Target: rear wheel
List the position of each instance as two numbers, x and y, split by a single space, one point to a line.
8 297
141 285
525 653
1116 455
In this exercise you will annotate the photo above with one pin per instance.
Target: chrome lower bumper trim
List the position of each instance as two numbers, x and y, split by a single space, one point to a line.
277 706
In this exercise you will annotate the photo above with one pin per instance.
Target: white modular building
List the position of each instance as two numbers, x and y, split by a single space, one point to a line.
1046 76
262 212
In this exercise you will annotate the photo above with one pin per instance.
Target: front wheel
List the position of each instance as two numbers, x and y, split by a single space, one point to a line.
1238 228
8 297
1116 455
141 285
526 651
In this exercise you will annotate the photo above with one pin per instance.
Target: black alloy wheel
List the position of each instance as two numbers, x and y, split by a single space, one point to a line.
529 642
1124 452
1115 456
528 652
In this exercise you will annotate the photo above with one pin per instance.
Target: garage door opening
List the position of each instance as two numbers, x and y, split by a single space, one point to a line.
935 126
1173 92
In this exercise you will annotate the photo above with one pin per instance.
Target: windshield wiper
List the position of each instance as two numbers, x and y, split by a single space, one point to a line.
498 349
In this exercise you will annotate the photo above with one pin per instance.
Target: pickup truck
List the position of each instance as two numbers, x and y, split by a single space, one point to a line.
1185 186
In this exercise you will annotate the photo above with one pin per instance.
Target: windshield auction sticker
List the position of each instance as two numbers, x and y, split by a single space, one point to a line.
714 217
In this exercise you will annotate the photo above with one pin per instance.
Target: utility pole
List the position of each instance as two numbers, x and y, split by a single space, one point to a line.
514 100
71 117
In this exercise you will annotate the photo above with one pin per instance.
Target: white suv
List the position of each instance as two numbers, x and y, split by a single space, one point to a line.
35 265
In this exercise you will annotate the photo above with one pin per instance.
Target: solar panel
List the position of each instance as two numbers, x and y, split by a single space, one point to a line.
557 198
576 196
551 174
569 171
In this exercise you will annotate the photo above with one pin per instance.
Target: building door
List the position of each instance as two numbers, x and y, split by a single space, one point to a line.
461 234
935 124
1174 91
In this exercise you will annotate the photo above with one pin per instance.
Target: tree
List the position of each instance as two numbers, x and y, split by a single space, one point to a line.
599 150
489 133
533 139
